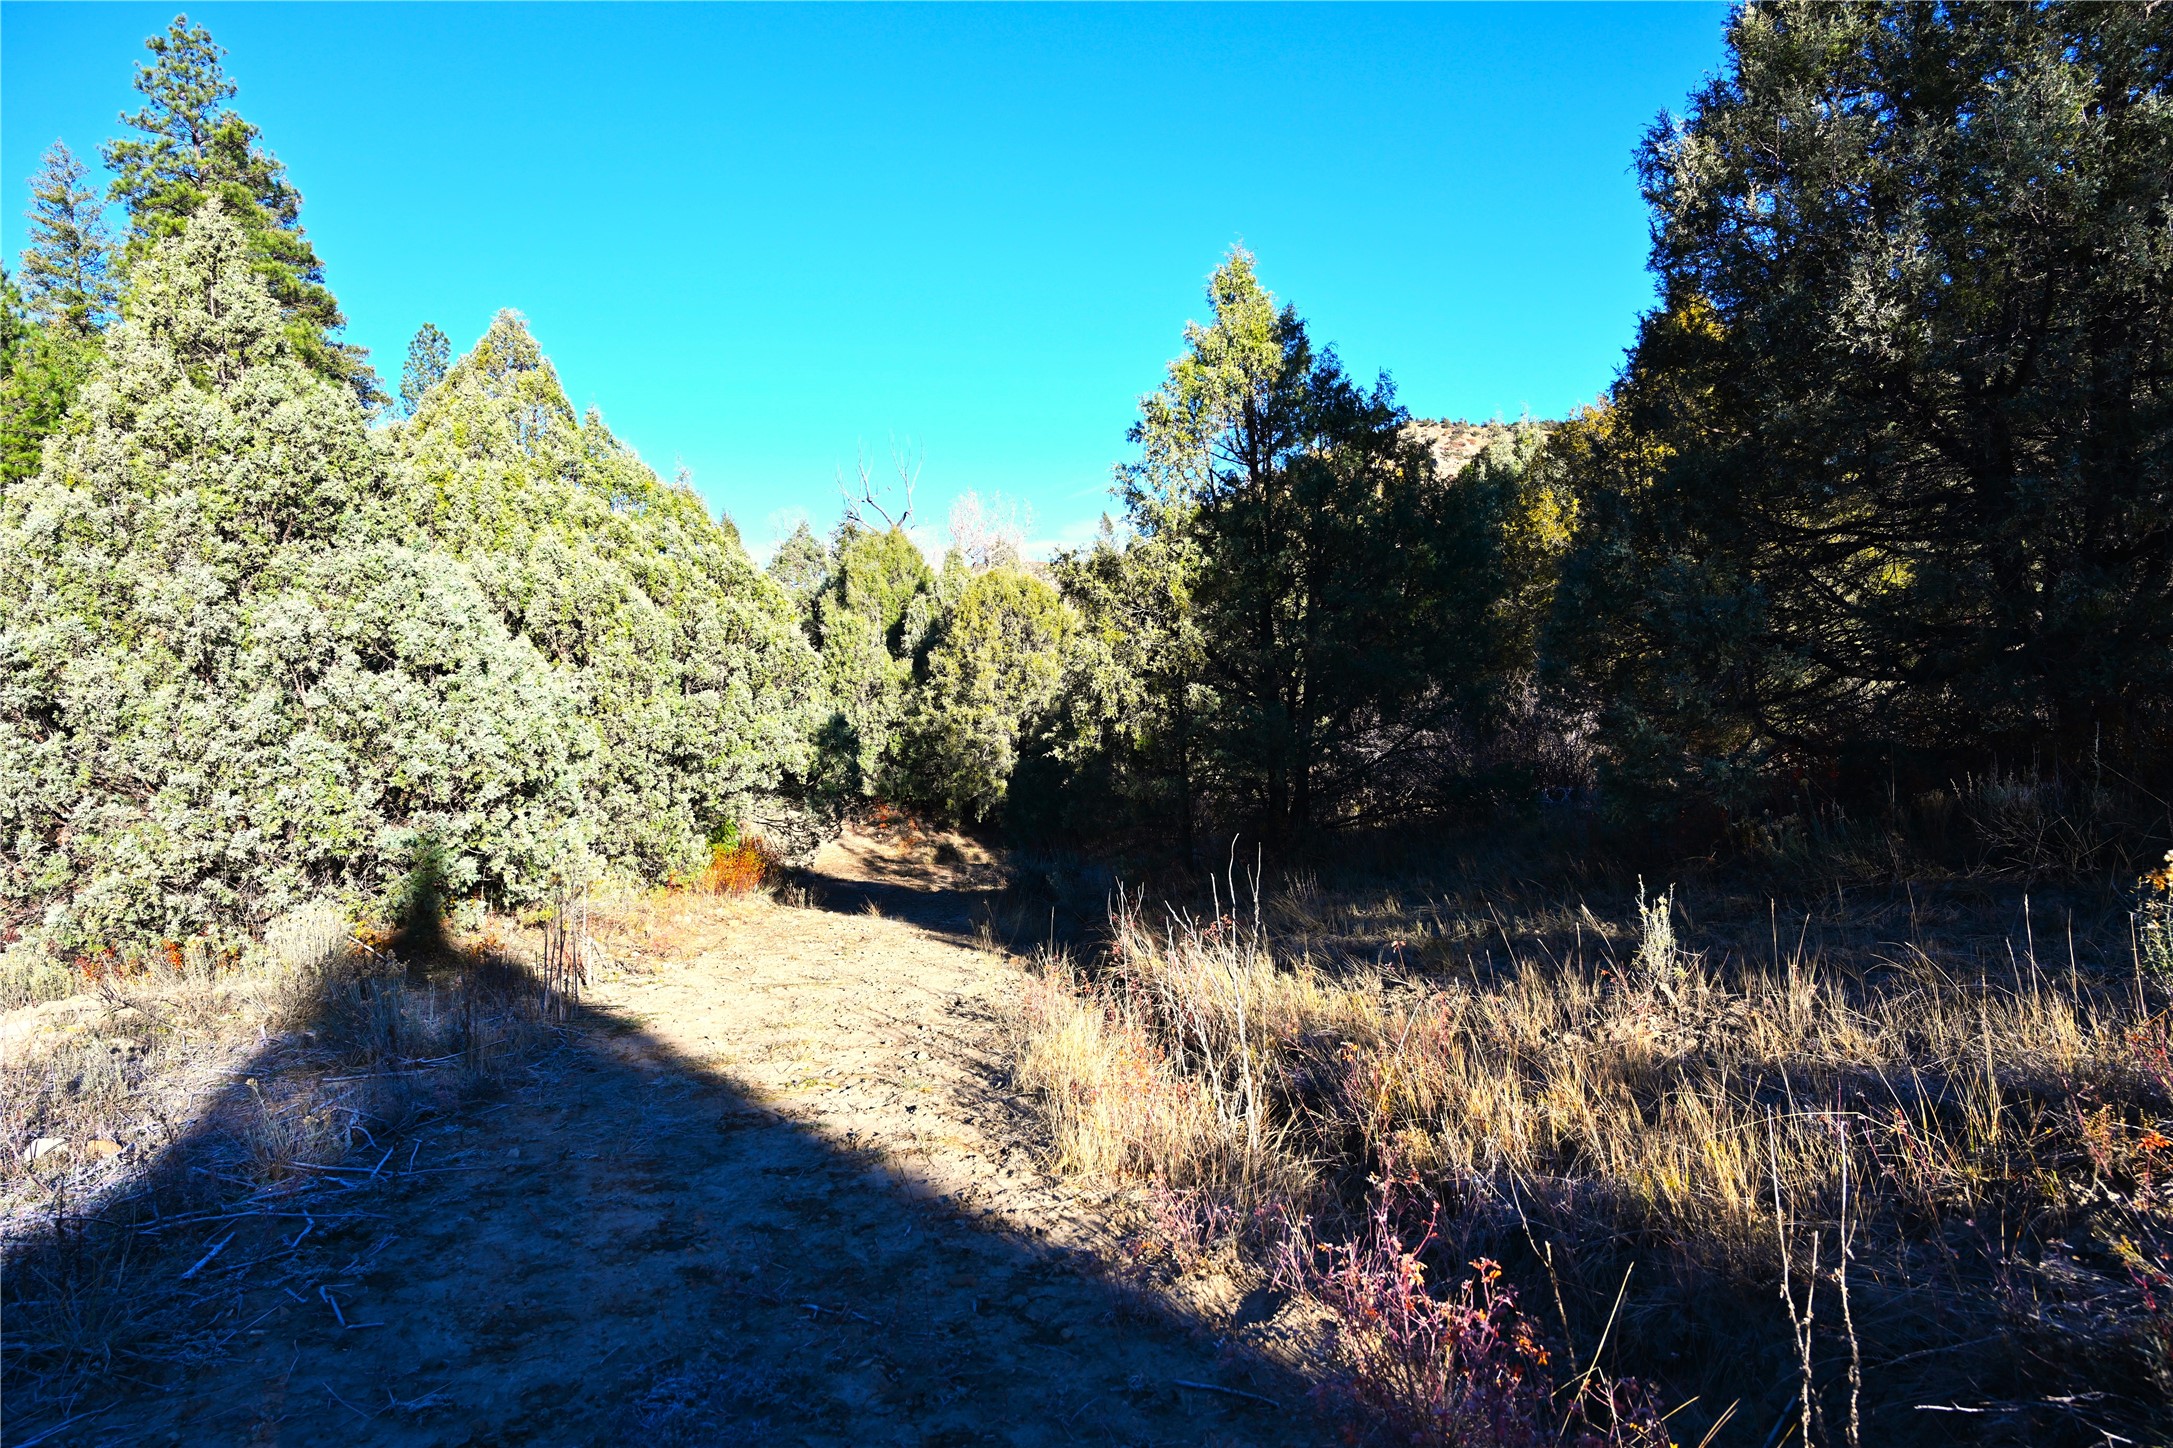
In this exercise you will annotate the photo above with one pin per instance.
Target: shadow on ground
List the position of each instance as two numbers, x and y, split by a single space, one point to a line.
618 1245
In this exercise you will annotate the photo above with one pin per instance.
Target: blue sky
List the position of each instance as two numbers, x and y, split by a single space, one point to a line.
760 238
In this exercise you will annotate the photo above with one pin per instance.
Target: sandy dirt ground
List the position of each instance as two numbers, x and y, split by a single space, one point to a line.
771 1189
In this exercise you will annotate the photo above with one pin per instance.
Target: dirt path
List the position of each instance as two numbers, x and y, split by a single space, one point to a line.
772 1191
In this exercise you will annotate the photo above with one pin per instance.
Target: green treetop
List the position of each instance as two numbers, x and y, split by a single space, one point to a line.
66 274
190 147
1337 583
801 567
428 355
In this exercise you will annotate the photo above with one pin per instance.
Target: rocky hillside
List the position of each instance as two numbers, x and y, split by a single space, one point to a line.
1456 442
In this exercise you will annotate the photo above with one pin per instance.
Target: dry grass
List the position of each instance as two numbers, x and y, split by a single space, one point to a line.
642 928
221 1090
1976 1091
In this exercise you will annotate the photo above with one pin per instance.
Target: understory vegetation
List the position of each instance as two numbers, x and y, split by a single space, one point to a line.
1853 1166
1844 618
250 1106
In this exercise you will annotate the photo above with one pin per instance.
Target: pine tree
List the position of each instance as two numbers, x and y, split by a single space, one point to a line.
66 275
42 367
189 148
428 355
1336 585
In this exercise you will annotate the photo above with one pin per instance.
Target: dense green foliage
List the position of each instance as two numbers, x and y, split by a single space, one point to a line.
1889 475
224 694
684 660
869 617
1885 489
189 148
990 680
42 367
1330 562
1884 494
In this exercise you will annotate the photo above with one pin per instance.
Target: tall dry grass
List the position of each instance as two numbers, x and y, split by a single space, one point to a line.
221 1089
1692 1117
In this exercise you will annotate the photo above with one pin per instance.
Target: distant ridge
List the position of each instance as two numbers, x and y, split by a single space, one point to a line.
1456 442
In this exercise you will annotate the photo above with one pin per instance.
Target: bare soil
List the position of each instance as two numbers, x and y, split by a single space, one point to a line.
770 1188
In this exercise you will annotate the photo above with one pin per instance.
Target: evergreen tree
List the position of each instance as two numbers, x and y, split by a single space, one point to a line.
801 567
1127 749
14 324
696 686
224 693
990 680
1337 587
870 633
189 147
42 367
66 273
428 355
1889 475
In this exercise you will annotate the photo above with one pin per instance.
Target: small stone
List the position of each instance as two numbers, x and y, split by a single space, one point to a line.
102 1148
44 1147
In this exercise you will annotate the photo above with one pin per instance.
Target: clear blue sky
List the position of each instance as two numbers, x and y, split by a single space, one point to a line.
758 237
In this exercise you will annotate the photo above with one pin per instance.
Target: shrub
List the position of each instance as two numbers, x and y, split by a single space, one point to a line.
1459 1368
740 868
2154 922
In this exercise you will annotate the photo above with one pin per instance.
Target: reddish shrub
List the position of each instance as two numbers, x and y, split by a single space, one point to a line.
740 869
1463 1368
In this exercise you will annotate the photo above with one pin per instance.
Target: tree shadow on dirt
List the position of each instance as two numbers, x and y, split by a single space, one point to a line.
591 1239
1021 915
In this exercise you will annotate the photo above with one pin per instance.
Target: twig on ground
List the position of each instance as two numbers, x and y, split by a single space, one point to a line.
350 1407
216 1248
67 1422
1227 1392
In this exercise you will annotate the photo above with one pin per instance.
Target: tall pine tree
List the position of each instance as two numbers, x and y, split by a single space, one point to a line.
53 322
188 148
66 277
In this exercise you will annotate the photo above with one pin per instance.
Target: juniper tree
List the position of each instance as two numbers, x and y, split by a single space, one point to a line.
801 567
990 680
224 692
1889 474
696 685
870 634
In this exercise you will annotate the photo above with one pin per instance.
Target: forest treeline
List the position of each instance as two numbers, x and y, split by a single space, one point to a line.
1882 499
